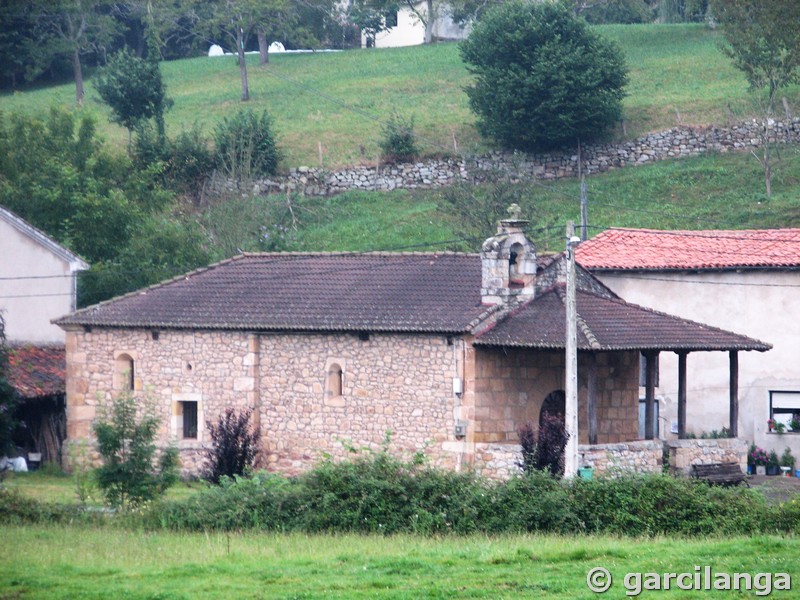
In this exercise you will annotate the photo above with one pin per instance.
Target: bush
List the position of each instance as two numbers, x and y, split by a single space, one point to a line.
128 476
544 452
543 79
245 146
234 445
659 504
534 502
399 143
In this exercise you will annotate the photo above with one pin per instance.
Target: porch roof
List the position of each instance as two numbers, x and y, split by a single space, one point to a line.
608 323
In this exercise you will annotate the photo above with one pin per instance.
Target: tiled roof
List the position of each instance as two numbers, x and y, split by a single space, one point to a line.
321 292
37 371
647 249
395 292
606 323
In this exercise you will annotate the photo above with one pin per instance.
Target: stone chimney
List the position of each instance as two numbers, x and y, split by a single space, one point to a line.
508 262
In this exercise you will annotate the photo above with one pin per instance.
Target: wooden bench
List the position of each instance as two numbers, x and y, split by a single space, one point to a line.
728 473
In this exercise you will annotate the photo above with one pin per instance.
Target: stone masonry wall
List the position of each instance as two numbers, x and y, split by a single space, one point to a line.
642 456
682 454
597 158
510 386
397 383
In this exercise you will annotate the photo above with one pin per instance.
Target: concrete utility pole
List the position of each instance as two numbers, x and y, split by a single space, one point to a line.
571 366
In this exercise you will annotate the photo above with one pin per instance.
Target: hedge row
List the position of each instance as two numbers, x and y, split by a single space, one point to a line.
382 494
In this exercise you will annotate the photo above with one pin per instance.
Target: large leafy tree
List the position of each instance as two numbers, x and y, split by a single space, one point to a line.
762 39
134 90
543 78
73 28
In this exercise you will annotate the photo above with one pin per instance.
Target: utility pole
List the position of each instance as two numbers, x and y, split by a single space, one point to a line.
584 211
571 364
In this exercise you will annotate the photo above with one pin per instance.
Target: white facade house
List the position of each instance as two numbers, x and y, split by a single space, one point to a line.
37 282
406 28
744 281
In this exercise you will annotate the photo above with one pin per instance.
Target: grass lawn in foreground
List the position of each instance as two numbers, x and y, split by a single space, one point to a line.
55 562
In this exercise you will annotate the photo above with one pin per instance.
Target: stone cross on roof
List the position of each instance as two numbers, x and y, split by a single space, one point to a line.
515 211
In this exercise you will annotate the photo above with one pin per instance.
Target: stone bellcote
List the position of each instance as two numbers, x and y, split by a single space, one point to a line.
508 261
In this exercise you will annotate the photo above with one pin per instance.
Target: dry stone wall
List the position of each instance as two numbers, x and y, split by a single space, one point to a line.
597 158
682 454
642 456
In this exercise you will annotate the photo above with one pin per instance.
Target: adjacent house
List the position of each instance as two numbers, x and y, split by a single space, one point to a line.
405 27
747 281
450 352
38 280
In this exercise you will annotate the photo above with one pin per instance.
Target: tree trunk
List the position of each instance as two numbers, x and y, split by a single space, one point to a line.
263 47
76 67
429 22
242 65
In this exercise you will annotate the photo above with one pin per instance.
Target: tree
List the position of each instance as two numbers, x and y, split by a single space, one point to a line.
134 90
763 41
370 16
130 474
235 445
72 28
543 79
8 397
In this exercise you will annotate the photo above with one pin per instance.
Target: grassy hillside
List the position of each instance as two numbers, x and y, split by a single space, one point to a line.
708 192
340 100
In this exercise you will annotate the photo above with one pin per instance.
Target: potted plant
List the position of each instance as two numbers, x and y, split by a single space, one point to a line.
776 426
787 462
759 457
794 424
773 464
751 464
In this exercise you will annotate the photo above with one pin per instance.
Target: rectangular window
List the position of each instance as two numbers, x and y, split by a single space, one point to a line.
391 19
643 370
783 407
189 414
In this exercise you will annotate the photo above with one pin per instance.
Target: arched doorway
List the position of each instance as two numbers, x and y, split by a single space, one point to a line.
555 403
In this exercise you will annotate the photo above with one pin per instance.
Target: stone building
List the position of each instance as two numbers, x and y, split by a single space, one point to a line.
450 352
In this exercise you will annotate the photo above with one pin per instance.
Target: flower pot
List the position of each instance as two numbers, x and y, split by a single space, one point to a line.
773 470
761 470
585 472
786 471
750 469
797 473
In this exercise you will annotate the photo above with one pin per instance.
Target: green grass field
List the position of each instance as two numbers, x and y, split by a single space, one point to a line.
339 101
72 562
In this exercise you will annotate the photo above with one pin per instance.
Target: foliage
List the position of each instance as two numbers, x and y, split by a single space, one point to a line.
17 509
762 41
8 396
370 16
659 504
543 79
134 90
80 463
682 11
619 11
772 459
787 458
544 450
533 502
757 456
245 145
129 476
399 142
234 445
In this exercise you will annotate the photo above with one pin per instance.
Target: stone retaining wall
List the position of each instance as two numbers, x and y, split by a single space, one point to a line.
682 454
597 158
642 456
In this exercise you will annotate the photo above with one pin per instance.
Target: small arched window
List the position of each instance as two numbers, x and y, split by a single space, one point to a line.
125 372
333 384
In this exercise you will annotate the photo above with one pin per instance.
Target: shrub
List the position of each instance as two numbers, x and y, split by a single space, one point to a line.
128 476
544 452
234 445
534 502
245 146
543 79
399 143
